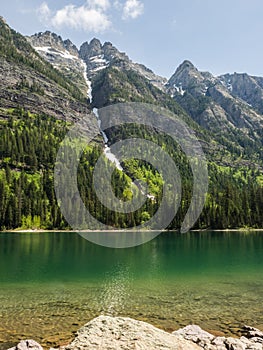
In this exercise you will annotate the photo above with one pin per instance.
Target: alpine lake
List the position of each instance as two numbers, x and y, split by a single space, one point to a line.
52 283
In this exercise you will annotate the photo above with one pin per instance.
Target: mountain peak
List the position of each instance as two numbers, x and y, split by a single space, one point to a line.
92 49
2 19
52 40
185 75
48 36
95 42
187 64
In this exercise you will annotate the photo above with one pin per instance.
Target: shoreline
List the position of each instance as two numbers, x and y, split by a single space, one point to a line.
127 230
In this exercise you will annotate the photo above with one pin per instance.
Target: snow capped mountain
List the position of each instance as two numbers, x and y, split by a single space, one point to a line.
224 105
65 56
93 55
62 54
54 41
99 57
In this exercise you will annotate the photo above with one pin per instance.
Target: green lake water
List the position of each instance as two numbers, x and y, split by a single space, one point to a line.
53 283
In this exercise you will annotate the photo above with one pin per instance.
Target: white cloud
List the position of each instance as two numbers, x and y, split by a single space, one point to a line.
132 9
90 17
99 4
44 12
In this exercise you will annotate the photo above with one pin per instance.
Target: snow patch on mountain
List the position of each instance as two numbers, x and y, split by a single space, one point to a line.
50 51
179 89
88 82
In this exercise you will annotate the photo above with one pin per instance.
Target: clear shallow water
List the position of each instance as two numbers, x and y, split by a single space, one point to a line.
53 283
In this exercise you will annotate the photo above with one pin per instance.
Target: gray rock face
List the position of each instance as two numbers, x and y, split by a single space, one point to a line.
239 115
62 54
188 78
220 104
55 102
246 87
121 333
94 56
216 94
98 57
87 50
49 39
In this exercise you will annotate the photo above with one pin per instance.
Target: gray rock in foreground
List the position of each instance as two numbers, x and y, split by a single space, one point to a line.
121 333
252 339
27 345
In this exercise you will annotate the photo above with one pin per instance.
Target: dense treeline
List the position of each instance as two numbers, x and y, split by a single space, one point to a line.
28 147
235 195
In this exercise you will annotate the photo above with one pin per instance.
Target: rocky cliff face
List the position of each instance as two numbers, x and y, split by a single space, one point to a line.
220 104
229 107
99 57
29 82
227 96
54 41
62 54
188 78
245 87
65 56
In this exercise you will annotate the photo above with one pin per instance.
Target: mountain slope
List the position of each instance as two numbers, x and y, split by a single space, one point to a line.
30 82
233 127
43 92
246 87
98 57
61 54
215 107
37 106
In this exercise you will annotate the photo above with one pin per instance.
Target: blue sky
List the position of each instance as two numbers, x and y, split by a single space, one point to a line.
217 36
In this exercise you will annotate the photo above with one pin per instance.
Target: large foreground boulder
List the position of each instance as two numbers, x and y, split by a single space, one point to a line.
119 333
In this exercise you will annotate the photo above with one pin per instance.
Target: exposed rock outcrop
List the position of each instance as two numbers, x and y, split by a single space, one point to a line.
252 339
54 41
201 92
29 82
27 345
62 54
229 106
121 333
246 87
98 57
